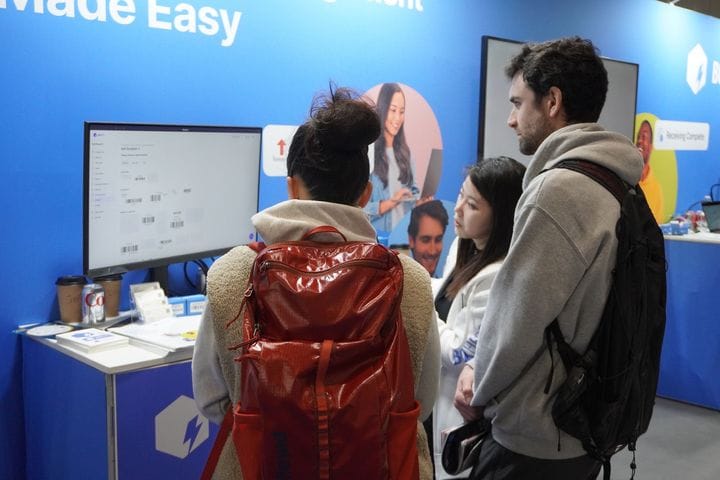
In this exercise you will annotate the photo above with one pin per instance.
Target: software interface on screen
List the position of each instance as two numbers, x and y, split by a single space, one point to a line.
159 194
496 138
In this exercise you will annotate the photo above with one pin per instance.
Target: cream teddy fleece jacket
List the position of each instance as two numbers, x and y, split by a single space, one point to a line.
215 377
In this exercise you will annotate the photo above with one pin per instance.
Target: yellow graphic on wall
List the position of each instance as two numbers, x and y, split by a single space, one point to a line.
659 180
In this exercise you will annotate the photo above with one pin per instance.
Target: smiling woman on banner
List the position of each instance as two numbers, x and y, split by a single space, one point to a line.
393 176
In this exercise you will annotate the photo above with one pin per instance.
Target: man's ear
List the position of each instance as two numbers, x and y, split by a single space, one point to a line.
554 103
365 197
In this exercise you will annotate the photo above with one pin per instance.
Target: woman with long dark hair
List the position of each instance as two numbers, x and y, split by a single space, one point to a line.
393 177
483 223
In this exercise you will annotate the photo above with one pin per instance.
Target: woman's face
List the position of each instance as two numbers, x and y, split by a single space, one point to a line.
473 215
395 114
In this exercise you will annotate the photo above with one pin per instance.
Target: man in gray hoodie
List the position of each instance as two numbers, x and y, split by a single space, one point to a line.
559 264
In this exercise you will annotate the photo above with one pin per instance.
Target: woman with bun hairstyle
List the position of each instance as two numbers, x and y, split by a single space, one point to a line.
483 224
328 184
393 176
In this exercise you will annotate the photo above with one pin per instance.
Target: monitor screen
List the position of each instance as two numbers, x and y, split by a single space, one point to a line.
712 215
496 138
161 194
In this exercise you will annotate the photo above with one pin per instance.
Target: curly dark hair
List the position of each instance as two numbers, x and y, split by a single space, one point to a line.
571 64
329 152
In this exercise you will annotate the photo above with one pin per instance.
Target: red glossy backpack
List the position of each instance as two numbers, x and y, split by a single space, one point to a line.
326 383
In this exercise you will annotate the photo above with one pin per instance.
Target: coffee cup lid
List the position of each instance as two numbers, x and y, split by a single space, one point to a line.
71 280
108 278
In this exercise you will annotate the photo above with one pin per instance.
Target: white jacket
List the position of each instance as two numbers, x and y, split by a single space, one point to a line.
464 319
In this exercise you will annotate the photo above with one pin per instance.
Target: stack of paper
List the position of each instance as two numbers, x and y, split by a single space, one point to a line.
91 340
174 333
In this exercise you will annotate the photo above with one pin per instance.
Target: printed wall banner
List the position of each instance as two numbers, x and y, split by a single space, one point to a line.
696 72
406 164
183 17
674 135
241 62
275 145
659 179
698 65
416 5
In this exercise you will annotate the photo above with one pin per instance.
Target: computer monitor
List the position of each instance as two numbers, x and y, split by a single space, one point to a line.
495 138
155 195
712 215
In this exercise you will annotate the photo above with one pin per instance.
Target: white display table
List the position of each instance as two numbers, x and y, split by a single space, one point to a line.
691 349
126 413
704 237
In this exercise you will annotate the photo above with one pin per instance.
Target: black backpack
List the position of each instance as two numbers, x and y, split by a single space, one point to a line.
608 397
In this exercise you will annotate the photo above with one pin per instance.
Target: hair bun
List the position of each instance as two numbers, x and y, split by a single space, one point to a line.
345 123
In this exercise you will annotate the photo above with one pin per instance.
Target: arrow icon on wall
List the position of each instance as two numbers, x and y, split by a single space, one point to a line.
281 144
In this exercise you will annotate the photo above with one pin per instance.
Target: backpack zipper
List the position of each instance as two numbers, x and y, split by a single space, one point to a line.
249 291
272 264
268 264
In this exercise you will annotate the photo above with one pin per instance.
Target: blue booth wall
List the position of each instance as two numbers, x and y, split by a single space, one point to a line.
60 68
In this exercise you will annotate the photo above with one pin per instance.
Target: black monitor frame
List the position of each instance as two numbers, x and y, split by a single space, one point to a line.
158 266
513 151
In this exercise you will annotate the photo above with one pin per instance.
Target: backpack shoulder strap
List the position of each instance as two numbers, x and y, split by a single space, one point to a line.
602 175
618 188
257 247
567 354
218 445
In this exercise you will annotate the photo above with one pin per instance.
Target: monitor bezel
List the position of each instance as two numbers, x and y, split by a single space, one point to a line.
164 261
483 114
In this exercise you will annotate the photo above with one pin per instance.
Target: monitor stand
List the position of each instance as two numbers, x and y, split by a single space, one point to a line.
160 275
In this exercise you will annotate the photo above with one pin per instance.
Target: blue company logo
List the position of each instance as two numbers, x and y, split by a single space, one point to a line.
192 431
180 428
696 73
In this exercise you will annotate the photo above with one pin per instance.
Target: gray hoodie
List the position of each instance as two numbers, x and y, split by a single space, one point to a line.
562 252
